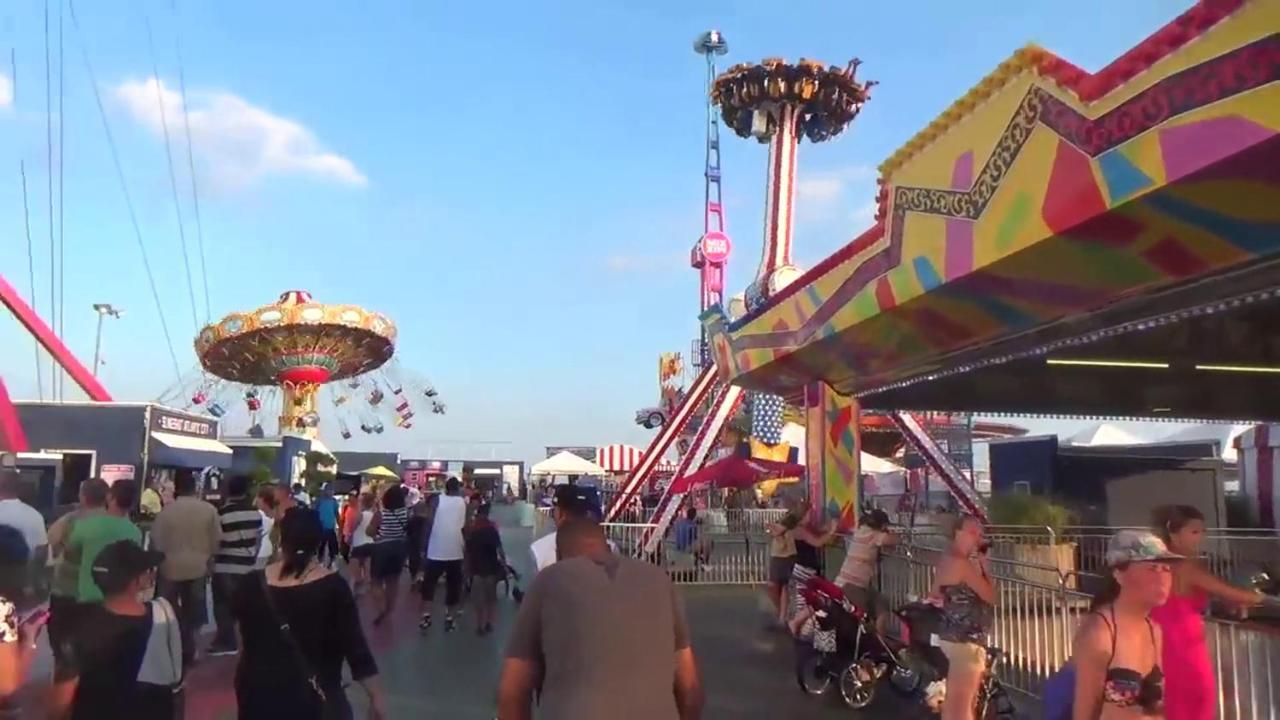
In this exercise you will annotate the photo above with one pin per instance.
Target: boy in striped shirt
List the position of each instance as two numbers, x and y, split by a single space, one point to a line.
237 556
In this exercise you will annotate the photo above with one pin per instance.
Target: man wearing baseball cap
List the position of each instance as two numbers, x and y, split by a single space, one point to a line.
126 653
570 502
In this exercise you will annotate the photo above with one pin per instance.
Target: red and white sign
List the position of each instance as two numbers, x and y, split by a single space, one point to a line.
112 473
716 247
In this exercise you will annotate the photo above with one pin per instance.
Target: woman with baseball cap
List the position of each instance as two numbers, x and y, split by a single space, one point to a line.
1116 657
126 653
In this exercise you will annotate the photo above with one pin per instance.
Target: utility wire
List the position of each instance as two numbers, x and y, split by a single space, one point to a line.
48 164
173 178
31 270
191 162
124 186
62 225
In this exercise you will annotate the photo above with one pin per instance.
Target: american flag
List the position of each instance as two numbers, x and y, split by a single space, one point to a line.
766 418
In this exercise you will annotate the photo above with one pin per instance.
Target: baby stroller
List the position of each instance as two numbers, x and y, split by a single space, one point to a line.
846 649
921 622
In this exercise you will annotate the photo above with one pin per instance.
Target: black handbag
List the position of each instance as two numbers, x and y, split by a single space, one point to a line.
329 708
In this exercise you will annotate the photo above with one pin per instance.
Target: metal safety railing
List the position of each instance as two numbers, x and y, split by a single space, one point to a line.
1035 622
713 521
1228 552
713 558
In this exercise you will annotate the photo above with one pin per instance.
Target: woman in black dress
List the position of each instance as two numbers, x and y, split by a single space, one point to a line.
298 624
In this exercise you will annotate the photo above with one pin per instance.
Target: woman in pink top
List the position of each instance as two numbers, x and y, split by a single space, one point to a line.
1190 692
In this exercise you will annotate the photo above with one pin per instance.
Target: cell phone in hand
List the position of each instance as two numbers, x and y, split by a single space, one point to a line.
38 617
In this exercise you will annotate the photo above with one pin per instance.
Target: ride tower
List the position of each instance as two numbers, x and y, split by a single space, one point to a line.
711 251
693 424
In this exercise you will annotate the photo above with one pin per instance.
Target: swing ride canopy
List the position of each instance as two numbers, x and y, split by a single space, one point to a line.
296 341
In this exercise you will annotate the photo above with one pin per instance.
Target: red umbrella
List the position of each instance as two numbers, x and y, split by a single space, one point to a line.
737 472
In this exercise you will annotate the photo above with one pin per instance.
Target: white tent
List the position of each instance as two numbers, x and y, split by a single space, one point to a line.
1224 434
872 465
1103 434
566 463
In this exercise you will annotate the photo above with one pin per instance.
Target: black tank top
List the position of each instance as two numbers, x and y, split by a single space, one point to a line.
807 555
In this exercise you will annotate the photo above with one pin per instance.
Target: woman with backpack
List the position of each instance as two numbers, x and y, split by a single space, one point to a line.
125 652
299 625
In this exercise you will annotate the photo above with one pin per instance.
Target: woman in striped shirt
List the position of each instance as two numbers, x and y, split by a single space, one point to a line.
388 530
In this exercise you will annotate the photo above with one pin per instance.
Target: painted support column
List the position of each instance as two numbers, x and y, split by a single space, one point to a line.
779 192
833 453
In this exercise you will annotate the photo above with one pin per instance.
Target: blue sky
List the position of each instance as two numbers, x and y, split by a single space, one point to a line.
516 184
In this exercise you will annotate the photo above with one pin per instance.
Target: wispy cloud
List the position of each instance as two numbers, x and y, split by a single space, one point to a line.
825 188
238 143
864 215
6 92
625 263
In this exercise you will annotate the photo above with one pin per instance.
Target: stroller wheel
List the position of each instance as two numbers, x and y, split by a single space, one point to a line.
812 674
905 676
857 686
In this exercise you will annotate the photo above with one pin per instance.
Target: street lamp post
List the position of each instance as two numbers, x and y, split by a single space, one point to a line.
103 310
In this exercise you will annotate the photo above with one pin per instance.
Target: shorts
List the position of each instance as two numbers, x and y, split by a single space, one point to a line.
64 613
451 570
388 561
485 587
780 569
969 658
361 552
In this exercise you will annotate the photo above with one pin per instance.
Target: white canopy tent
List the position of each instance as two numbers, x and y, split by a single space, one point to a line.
1104 434
566 463
1224 434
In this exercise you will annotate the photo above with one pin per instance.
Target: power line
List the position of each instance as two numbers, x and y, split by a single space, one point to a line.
124 186
62 225
173 178
191 162
48 160
31 269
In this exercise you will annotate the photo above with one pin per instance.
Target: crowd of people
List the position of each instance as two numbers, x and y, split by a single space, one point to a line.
125 606
1139 652
286 572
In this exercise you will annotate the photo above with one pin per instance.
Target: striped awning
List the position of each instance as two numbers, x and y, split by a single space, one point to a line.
618 458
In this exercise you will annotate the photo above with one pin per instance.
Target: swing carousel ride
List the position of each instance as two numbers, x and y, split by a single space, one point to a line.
305 362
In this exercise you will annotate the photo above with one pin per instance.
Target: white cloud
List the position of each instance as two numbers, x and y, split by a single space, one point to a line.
828 187
865 215
6 92
621 263
645 263
238 143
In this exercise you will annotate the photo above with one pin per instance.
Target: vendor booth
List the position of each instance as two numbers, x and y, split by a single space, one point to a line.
119 441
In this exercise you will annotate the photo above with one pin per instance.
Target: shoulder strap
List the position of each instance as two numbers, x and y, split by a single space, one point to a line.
1154 648
1111 628
286 634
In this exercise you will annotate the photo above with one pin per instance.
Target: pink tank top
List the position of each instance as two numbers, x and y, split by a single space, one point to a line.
1182 618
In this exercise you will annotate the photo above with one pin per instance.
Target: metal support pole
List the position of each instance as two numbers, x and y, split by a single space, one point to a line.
97 345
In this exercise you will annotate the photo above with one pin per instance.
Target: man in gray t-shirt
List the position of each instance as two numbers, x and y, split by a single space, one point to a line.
600 636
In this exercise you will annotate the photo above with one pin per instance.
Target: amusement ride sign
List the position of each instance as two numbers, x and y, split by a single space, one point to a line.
171 422
716 247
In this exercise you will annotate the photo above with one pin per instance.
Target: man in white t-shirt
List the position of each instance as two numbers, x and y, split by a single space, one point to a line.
21 516
444 554
570 502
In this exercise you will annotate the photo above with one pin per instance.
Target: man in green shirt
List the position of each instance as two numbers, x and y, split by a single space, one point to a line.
90 534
